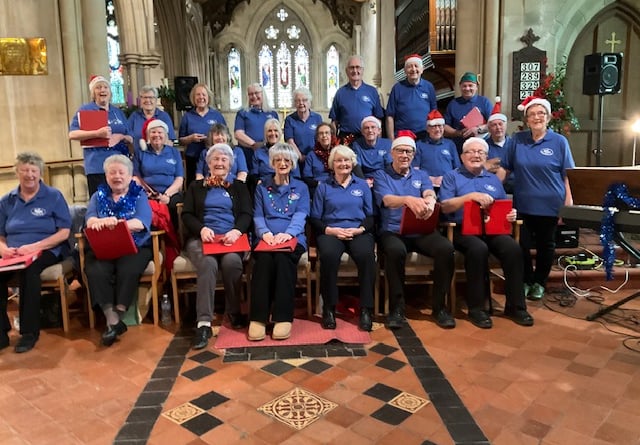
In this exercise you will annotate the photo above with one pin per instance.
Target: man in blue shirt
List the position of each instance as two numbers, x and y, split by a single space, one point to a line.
498 141
436 155
353 102
410 100
395 187
459 107
148 110
373 151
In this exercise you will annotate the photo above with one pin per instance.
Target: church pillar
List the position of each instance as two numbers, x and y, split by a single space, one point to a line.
492 49
468 44
369 44
386 12
72 59
94 32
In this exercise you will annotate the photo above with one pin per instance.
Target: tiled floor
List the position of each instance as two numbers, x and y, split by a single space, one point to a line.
563 381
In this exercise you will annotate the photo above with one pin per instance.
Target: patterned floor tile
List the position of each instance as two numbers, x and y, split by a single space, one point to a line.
408 402
298 408
182 413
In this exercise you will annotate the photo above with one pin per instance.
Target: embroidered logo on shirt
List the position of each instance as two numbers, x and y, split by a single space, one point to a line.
212 121
382 153
546 151
489 187
171 161
294 196
38 211
424 95
365 99
313 126
356 192
445 152
226 194
416 184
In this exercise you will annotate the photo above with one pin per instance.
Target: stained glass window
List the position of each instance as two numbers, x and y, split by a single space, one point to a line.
265 62
333 78
302 67
284 75
113 51
235 79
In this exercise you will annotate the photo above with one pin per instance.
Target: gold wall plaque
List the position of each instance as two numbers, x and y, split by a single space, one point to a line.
20 56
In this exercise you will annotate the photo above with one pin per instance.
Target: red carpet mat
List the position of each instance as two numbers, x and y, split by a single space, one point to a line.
303 332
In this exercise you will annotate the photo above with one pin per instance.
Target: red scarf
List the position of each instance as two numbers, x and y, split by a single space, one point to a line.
323 154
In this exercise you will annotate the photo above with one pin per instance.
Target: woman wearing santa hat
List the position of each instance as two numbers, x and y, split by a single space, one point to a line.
539 157
114 136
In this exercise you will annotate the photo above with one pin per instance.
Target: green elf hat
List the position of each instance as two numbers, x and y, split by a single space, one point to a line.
469 77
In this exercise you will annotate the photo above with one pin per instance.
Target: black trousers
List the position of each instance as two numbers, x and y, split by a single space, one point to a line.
30 290
190 165
273 282
543 230
476 252
395 249
115 282
361 249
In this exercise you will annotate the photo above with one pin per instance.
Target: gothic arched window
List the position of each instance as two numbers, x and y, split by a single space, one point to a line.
333 73
113 51
235 79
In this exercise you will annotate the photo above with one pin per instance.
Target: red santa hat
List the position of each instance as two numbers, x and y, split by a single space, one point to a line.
413 58
534 100
496 113
96 79
435 118
405 137
147 126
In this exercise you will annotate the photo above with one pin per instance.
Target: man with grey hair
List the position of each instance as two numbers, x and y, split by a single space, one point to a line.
353 102
148 110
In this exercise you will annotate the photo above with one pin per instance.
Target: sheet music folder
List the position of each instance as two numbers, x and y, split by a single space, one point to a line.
590 184
411 225
495 218
19 262
93 120
473 118
287 246
217 247
109 244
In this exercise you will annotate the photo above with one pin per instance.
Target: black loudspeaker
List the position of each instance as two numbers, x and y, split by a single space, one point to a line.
602 73
183 86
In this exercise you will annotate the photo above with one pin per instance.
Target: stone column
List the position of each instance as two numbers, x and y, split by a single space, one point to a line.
386 11
493 61
94 32
369 44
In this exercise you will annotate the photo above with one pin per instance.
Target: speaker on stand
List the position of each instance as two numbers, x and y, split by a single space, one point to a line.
183 86
602 75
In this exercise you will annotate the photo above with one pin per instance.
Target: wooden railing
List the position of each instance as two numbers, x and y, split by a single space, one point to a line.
71 164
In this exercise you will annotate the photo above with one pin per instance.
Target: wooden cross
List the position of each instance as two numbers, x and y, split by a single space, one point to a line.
613 42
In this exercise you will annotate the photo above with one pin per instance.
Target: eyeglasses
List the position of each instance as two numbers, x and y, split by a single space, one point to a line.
537 114
355 67
475 152
404 151
148 97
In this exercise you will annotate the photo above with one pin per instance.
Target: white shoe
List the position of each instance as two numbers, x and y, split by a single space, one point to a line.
281 330
257 331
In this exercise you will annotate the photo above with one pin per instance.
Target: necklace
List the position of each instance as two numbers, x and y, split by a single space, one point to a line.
273 201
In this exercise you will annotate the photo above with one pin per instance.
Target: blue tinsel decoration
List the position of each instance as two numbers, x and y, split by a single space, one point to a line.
125 208
617 193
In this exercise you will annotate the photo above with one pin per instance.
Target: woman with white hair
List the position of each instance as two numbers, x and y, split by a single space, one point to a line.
213 206
300 126
103 142
281 207
113 284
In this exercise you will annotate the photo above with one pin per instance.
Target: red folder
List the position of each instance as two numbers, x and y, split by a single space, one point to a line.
109 244
217 247
93 120
287 246
495 218
412 225
18 262
473 118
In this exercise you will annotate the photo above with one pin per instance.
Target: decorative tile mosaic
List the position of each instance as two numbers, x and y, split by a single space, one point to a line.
298 408
408 402
183 413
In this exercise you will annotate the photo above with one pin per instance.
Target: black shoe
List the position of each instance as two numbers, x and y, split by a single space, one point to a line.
4 340
444 319
26 343
111 334
201 338
519 316
395 319
480 319
238 320
365 323
328 318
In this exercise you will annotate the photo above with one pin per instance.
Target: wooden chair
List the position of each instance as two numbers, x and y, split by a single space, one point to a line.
152 275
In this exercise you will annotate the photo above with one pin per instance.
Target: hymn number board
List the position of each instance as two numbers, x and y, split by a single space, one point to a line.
528 69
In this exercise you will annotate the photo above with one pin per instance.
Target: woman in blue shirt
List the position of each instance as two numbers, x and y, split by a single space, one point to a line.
342 217
114 283
219 134
281 207
214 206
33 218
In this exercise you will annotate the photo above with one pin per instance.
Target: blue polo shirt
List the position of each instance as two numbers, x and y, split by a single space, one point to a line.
314 168
239 164
540 168
159 170
351 105
32 221
192 122
302 132
261 166
281 209
137 119
461 181
459 107
496 151
252 122
218 210
142 211
410 104
388 182
345 207
436 157
94 157
372 158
